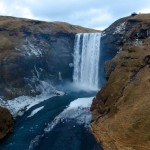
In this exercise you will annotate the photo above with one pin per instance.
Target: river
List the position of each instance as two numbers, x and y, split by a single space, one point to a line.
68 135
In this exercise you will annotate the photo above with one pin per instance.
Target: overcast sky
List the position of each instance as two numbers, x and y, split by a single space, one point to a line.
97 14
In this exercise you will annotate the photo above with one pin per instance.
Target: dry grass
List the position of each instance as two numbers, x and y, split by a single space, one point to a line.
126 95
12 23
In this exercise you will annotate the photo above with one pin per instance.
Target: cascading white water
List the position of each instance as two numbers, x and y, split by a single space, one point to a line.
86 59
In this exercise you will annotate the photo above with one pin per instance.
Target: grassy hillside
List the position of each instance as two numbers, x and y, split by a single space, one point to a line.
121 110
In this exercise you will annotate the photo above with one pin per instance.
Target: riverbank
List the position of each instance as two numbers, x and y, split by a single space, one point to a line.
72 132
19 105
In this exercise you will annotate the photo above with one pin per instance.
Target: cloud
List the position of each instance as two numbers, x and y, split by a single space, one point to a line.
89 13
15 10
91 17
145 10
3 8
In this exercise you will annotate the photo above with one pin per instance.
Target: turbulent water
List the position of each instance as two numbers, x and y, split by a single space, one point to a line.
86 59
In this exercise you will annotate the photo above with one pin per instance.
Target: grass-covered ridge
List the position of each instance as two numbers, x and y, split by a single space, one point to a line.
121 109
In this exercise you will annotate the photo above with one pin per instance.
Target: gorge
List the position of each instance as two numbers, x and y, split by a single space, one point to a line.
47 87
60 69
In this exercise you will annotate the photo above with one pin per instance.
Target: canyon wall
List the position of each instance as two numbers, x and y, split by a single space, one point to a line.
121 114
32 51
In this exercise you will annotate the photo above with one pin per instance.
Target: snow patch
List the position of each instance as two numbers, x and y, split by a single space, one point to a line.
103 34
120 29
81 102
35 111
29 49
137 42
78 110
19 105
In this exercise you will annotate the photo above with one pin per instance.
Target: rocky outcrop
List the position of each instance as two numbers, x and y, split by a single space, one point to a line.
32 50
111 42
121 114
6 122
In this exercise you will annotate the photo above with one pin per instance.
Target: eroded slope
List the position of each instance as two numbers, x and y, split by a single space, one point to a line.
121 110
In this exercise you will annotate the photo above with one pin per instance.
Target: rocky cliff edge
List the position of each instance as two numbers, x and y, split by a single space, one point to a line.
32 51
121 109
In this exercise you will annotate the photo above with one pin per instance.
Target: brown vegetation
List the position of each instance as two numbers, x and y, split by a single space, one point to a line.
124 120
6 122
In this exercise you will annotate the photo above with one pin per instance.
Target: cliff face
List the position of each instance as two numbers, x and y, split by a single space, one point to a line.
121 114
111 42
31 50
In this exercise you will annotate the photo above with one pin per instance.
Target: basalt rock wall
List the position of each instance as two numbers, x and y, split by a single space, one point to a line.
32 50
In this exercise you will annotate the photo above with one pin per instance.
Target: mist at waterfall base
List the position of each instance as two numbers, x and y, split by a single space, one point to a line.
42 127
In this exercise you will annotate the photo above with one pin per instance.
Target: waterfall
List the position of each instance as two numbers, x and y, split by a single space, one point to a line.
86 59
